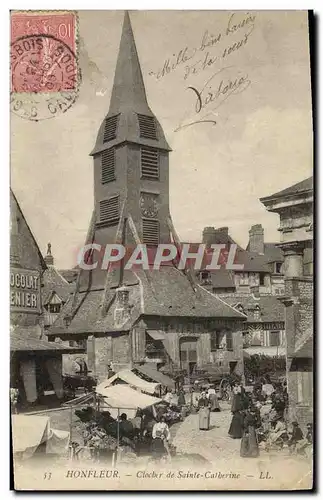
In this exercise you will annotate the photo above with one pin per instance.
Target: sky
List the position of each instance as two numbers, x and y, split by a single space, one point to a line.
261 142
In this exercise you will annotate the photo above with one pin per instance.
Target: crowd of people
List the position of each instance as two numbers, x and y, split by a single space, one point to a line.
250 424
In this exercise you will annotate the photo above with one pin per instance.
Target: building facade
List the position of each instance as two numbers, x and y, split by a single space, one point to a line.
130 316
35 363
295 208
253 290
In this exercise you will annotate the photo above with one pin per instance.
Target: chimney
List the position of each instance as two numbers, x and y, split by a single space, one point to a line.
256 239
215 235
209 235
49 259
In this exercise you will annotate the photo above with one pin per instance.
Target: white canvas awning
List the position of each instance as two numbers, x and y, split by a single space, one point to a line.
131 379
124 397
29 431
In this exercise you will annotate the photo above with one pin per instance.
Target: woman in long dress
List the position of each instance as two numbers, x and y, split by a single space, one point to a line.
249 443
213 399
239 404
181 397
160 439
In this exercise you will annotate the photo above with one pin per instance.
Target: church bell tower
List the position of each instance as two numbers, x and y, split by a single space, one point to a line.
131 167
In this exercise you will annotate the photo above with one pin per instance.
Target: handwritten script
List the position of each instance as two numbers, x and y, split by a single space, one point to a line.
213 51
218 88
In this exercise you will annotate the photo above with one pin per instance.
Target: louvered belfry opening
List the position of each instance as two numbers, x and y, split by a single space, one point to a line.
147 127
110 211
149 163
150 231
110 128
108 160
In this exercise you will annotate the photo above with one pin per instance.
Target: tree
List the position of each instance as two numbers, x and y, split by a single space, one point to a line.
261 365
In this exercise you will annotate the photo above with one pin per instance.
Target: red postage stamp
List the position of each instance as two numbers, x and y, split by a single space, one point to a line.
43 52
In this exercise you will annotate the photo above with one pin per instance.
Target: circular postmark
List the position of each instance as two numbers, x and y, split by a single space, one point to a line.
44 77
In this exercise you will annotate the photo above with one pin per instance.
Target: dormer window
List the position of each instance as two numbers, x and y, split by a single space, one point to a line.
110 128
147 127
149 163
54 308
240 308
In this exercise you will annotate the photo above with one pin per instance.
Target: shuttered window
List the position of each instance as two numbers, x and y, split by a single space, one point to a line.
150 231
108 165
110 128
110 210
229 339
147 127
149 163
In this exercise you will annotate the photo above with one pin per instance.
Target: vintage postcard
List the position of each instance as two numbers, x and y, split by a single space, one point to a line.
161 283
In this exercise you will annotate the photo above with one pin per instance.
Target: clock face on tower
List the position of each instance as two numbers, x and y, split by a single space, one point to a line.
148 205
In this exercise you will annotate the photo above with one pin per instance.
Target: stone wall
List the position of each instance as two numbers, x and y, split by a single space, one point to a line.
299 325
108 352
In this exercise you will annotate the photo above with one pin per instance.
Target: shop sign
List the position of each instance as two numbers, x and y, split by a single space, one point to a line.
24 290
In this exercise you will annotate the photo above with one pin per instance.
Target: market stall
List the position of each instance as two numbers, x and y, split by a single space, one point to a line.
30 432
119 397
150 373
128 377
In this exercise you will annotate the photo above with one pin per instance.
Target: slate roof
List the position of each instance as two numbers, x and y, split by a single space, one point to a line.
300 187
222 278
306 350
21 340
252 261
14 205
273 253
53 281
166 292
69 275
271 309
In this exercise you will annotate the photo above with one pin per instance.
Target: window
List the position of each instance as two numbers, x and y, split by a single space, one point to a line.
244 279
278 267
147 127
240 308
205 277
229 340
256 337
149 163
256 313
110 211
150 231
261 279
54 308
108 165
221 340
110 128
78 343
274 339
